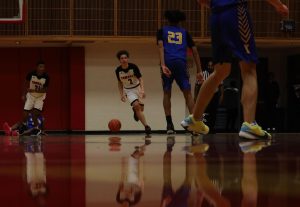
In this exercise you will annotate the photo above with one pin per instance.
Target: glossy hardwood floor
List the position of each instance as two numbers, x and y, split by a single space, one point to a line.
172 171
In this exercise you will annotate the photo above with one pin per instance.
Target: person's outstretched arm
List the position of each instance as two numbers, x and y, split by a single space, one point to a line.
281 8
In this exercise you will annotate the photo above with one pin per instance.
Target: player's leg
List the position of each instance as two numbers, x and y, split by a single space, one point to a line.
167 94
249 90
250 129
194 122
138 110
37 110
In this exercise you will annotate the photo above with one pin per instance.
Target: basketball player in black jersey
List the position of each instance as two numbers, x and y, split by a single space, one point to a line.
37 82
131 86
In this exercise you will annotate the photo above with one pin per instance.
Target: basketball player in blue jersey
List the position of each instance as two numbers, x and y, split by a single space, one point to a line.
173 42
232 36
25 129
131 87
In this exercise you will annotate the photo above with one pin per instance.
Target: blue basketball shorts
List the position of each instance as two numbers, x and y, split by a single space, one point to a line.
232 35
180 74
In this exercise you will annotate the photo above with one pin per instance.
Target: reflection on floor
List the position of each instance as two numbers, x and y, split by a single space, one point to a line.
134 170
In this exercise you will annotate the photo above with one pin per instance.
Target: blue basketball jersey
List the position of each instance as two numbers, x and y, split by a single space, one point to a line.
224 3
175 42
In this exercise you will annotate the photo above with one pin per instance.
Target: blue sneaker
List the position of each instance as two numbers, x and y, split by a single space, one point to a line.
196 127
253 131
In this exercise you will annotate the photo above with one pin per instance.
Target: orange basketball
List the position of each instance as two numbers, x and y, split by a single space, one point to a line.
114 125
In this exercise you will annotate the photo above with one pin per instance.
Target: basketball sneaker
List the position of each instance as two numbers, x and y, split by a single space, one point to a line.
170 128
15 133
148 129
253 131
36 132
196 127
7 129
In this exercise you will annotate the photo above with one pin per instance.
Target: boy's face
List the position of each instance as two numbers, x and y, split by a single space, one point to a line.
123 59
40 69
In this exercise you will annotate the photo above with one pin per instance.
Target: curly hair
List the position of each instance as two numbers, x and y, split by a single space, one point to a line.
175 16
122 52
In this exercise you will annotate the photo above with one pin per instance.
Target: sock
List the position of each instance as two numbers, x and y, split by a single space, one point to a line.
169 119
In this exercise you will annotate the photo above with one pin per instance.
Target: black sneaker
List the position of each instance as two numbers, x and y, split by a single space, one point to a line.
135 117
36 132
170 128
148 130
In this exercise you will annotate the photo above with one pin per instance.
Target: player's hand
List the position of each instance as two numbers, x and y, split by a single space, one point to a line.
23 98
142 94
282 9
166 71
199 77
123 98
203 2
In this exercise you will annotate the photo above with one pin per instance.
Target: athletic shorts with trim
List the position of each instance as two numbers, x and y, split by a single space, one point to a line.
232 34
180 74
132 94
34 102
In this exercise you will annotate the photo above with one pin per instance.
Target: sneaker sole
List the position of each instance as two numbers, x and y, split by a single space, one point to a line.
171 132
247 135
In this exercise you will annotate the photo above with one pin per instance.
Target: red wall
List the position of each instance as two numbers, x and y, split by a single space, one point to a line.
64 107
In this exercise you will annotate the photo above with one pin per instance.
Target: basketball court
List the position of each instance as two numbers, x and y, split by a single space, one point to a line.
87 170
82 163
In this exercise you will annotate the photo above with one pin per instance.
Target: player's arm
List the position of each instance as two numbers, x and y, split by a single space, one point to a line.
121 91
203 2
138 75
160 43
281 8
120 86
142 90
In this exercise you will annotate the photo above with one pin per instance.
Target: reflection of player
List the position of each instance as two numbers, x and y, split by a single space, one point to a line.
181 196
249 179
205 188
132 184
35 167
22 129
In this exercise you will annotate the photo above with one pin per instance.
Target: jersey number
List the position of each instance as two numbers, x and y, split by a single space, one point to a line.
175 37
130 81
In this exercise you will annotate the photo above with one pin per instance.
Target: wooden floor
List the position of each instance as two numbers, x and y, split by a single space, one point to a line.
178 171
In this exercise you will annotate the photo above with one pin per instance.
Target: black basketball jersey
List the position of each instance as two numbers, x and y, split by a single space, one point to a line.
37 82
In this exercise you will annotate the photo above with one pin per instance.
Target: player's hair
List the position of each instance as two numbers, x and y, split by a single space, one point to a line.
122 52
40 62
175 16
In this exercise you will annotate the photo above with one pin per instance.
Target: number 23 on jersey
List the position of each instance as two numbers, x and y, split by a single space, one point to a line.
175 37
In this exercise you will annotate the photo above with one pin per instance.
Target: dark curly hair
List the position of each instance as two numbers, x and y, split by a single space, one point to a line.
175 16
122 52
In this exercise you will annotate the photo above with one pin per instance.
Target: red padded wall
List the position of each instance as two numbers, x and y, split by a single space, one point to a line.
65 67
